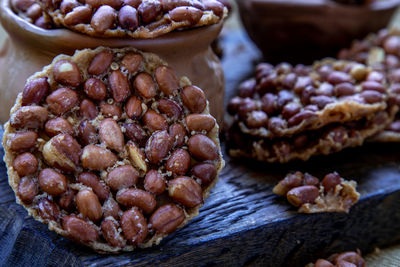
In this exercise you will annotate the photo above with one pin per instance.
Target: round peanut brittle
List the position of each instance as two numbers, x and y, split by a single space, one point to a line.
111 149
134 18
32 12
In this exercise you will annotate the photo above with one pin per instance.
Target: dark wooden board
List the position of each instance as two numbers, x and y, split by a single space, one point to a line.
242 222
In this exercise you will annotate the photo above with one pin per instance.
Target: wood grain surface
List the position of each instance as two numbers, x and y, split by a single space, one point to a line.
242 223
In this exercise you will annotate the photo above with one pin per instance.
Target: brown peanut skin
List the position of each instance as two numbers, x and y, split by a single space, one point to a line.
145 85
122 177
302 194
67 73
205 172
62 100
323 263
87 133
111 208
154 182
200 122
27 190
185 191
137 198
154 121
167 80
67 200
330 181
80 14
109 228
35 91
132 62
202 147
88 109
100 63
57 126
93 181
119 84
110 110
158 146
79 230
25 164
179 162
167 218
95 89
29 117
103 19
111 134
97 158
88 204
134 226
128 18
351 257
170 108
149 11
177 133
191 15
48 210
23 141
52 182
290 181
133 107
194 99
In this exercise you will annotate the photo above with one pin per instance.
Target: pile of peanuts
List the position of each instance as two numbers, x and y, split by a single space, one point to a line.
381 51
303 190
287 109
31 11
136 18
111 148
344 259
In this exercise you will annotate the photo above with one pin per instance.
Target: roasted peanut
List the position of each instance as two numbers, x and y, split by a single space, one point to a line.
27 190
97 158
167 218
323 263
87 133
111 134
149 10
330 181
168 5
80 14
23 141
119 84
185 191
52 182
194 99
215 6
48 210
34 12
342 89
99 64
128 18
93 181
304 115
25 164
371 97
167 80
62 100
302 194
321 101
256 119
133 107
137 156
205 172
57 126
35 91
88 109
202 147
109 228
95 88
62 151
66 200
111 208
29 117
290 109
290 181
43 23
21 5
154 182
88 204
337 77
170 108
158 146
200 122
122 177
103 19
145 85
67 73
310 180
134 226
191 15
135 132
67 6
110 110
132 62
132 3
351 257
137 197
177 133
112 3
179 162
79 230
154 121
373 86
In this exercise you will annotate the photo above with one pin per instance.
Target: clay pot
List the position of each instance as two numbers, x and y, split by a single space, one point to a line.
302 31
29 48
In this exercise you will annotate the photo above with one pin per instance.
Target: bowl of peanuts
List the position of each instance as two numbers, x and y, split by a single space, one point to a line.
34 43
302 31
